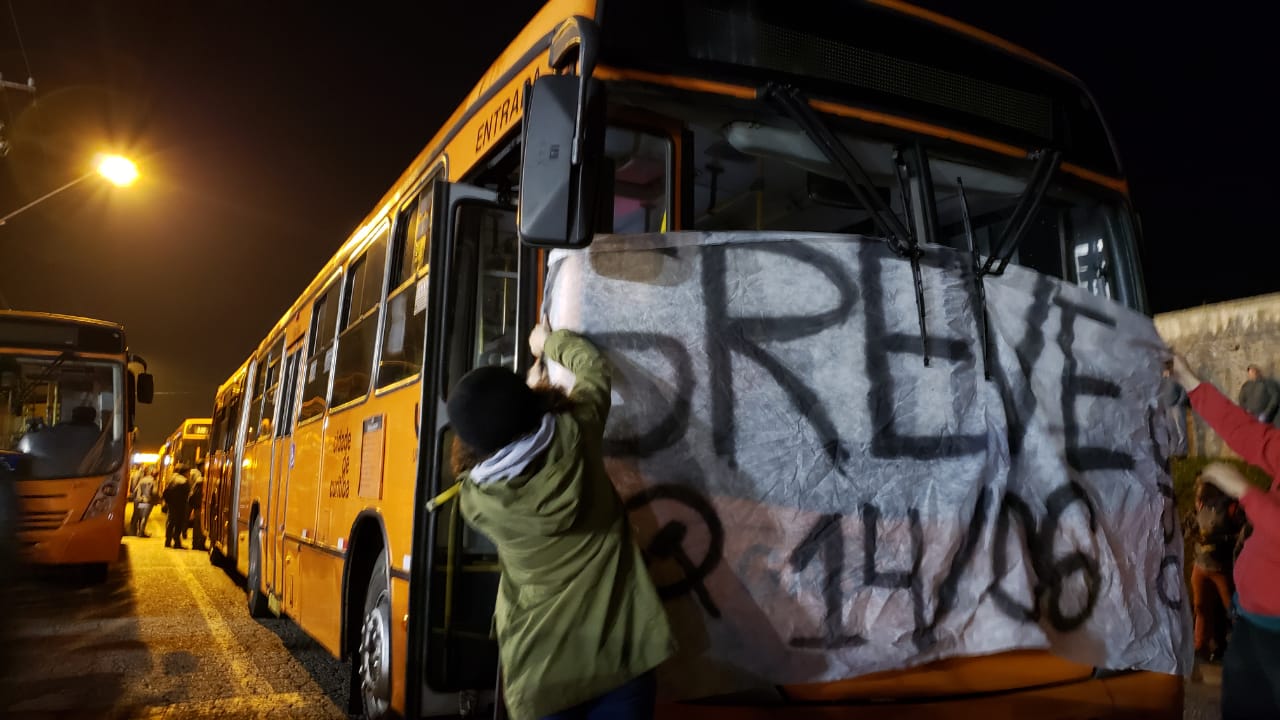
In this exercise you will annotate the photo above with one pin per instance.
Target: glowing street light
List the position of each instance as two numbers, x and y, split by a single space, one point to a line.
117 169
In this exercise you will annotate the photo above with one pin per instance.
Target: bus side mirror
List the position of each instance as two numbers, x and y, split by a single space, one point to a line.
557 194
146 388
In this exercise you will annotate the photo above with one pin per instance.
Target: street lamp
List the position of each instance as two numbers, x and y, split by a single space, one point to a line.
117 169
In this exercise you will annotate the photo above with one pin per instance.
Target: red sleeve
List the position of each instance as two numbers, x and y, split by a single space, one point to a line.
1262 509
1258 443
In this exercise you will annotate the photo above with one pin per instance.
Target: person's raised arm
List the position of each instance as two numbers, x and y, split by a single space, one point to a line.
1261 507
1258 443
588 365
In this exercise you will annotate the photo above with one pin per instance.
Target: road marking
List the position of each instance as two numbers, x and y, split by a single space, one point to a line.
247 680
243 706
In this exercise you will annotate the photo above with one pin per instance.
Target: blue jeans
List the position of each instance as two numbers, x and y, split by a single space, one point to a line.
632 701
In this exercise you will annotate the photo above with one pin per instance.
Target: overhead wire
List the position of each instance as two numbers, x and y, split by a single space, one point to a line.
21 46
26 63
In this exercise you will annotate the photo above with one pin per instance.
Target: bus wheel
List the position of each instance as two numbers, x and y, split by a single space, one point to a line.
253 583
374 657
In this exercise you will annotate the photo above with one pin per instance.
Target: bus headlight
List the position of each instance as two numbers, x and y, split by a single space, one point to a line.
104 500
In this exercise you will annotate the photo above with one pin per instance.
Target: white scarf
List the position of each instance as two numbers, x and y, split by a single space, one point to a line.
511 460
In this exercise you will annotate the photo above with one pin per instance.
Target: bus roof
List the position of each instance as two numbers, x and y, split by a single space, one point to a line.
535 38
974 32
36 316
50 331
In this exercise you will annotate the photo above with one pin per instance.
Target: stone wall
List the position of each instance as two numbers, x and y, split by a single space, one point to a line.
1220 341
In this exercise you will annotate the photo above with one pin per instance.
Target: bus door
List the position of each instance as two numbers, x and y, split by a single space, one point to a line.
486 311
223 506
242 456
261 456
281 463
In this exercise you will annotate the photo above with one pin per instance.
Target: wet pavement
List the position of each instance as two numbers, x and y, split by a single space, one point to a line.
166 636
1204 693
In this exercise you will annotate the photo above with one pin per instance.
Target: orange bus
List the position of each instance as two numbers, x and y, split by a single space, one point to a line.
69 386
875 118
222 473
187 445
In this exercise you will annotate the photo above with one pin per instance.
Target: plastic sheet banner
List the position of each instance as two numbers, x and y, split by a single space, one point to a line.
815 502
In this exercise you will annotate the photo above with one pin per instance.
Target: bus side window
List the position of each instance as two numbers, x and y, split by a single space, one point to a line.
284 423
404 324
235 405
255 404
641 172
272 379
324 325
359 330
1091 249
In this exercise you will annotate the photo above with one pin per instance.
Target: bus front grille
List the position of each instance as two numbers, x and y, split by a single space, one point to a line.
42 520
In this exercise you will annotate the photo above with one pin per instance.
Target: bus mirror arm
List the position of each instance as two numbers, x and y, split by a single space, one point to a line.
583 35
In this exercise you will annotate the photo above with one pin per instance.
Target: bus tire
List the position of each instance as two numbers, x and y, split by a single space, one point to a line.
254 596
372 663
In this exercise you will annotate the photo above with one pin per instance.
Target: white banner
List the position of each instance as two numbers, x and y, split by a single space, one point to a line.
816 503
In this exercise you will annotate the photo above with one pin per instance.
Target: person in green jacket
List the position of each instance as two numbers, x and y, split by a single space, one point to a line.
579 623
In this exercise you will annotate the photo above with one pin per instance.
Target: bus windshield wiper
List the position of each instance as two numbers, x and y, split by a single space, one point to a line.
1047 162
44 376
790 100
979 287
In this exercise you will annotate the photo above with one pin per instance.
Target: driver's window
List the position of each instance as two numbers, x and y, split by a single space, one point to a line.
639 164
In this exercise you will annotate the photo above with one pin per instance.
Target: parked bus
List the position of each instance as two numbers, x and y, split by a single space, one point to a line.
877 119
69 387
223 471
187 445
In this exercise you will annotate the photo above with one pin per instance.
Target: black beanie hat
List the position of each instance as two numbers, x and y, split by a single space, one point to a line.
491 406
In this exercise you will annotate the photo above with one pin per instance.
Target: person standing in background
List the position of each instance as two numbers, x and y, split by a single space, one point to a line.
175 502
196 502
1258 396
1215 525
144 492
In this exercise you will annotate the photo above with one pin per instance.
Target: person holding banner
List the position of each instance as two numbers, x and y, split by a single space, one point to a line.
1251 669
579 623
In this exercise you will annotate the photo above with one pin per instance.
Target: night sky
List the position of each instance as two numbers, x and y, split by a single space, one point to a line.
266 131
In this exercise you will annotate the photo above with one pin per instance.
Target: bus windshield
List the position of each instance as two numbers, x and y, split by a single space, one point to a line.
62 416
762 173
194 445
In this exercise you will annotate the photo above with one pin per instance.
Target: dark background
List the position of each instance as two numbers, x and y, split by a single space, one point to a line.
266 131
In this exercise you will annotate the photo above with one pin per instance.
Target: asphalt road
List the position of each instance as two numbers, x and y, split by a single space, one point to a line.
166 636
1204 694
